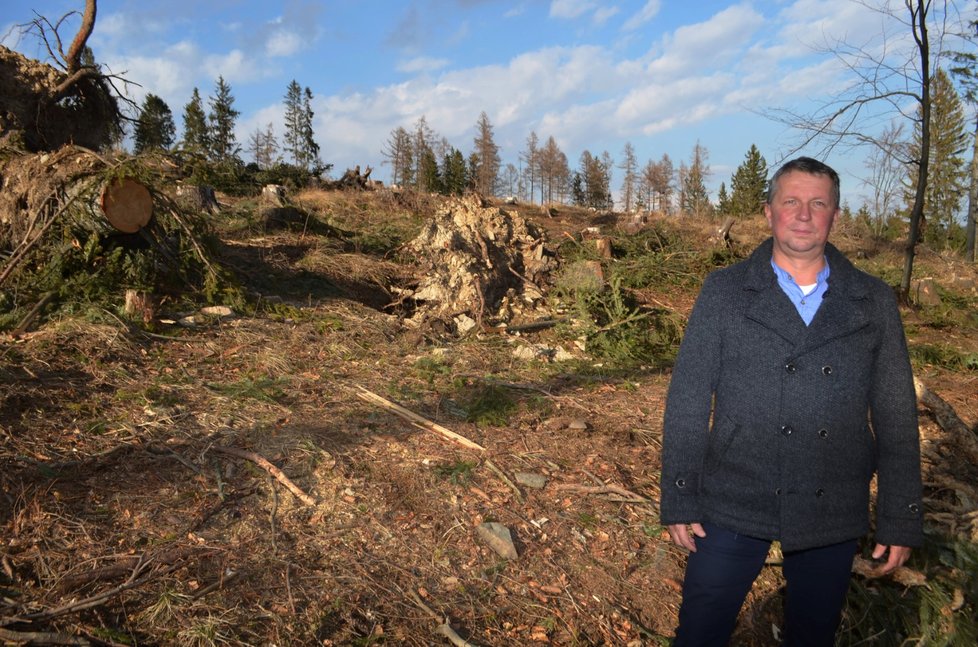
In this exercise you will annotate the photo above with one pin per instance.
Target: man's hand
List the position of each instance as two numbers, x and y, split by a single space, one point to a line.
681 536
898 555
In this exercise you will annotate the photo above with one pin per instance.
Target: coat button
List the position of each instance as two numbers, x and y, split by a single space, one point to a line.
778 491
914 508
791 368
827 370
819 492
680 482
786 430
823 433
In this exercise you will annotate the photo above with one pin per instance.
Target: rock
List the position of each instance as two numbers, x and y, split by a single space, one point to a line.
531 480
217 311
464 323
498 537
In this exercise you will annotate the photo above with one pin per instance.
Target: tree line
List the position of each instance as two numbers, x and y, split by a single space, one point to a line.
422 159
209 135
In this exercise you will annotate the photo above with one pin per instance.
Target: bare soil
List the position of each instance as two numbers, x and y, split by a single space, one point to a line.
122 522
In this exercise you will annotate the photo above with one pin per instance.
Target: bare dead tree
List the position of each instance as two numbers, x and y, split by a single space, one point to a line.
886 164
886 80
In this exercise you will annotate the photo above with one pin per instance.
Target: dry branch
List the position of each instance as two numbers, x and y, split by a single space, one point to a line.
40 638
505 479
266 465
419 421
948 420
627 495
444 628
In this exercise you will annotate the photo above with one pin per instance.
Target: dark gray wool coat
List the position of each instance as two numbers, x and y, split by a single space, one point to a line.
802 416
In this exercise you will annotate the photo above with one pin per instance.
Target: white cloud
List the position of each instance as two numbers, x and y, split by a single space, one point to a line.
716 41
644 15
603 14
571 8
422 64
283 43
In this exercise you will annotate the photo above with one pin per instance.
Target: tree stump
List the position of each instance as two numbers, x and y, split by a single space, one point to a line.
197 197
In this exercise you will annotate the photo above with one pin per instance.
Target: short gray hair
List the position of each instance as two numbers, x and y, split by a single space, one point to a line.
810 166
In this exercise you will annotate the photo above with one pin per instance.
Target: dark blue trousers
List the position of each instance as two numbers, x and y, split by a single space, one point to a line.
719 576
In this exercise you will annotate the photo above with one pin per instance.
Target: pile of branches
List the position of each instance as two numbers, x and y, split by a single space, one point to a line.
57 244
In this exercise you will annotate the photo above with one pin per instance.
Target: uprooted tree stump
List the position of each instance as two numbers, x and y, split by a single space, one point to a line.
477 261
354 180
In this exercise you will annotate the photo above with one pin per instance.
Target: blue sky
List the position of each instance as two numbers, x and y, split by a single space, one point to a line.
661 74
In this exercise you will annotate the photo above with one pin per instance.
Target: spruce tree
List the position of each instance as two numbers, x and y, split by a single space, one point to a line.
695 199
947 173
310 149
196 138
749 185
723 201
486 175
154 128
454 178
429 178
294 131
965 69
221 121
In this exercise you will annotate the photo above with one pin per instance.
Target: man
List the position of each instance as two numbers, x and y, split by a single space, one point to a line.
791 388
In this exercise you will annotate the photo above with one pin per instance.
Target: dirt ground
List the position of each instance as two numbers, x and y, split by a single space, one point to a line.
129 516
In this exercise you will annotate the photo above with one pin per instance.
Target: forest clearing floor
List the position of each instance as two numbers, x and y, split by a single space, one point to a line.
126 517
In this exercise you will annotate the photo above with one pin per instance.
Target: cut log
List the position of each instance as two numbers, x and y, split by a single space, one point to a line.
126 204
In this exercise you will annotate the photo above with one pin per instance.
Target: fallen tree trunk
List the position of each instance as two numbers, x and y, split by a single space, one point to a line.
75 177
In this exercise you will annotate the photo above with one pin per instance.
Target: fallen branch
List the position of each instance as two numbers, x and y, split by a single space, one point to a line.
627 495
40 638
903 575
444 628
266 465
136 578
418 421
505 479
948 420
213 586
29 318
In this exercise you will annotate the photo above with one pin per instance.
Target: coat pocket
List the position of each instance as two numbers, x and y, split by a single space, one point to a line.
721 436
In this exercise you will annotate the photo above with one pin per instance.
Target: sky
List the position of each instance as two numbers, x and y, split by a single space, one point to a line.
659 74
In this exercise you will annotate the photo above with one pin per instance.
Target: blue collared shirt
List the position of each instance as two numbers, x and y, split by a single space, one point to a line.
806 304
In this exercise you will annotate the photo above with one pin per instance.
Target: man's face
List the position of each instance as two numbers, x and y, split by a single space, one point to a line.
801 214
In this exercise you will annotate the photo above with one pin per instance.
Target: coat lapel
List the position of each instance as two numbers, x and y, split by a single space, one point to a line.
841 312
770 306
